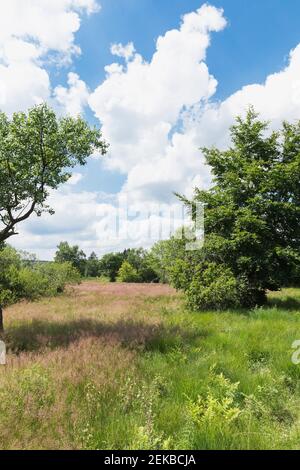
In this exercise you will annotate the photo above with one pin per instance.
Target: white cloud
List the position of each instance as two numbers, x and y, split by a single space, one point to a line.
74 98
33 32
75 178
96 222
277 99
126 52
140 103
155 115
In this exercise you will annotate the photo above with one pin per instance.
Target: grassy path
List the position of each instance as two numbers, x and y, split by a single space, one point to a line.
110 366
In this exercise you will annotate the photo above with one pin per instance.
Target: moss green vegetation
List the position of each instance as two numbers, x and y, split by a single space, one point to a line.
104 367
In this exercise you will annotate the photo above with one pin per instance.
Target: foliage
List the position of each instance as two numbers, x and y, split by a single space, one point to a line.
220 406
37 151
92 266
252 214
110 264
46 279
10 265
71 254
166 256
128 273
213 286
20 279
138 258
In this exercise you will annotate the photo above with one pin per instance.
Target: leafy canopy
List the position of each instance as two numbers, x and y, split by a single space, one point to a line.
37 152
252 212
71 254
128 273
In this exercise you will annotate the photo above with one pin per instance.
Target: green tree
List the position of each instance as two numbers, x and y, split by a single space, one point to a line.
92 265
139 259
165 255
110 264
37 152
71 254
252 215
128 273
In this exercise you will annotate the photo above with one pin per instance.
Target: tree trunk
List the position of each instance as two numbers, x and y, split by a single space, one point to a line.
1 321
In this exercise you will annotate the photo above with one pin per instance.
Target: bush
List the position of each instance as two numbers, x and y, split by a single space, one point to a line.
127 273
24 280
213 286
46 279
10 263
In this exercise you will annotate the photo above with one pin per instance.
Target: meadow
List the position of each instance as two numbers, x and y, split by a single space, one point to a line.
127 366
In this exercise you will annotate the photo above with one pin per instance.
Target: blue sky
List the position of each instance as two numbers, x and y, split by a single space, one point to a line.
157 101
256 42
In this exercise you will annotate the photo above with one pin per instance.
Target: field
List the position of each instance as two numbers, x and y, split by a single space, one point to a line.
123 366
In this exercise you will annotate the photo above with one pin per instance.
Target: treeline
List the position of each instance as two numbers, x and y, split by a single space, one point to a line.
131 265
23 276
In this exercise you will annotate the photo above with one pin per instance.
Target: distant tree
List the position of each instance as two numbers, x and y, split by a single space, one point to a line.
252 216
139 259
37 152
110 264
128 273
71 254
164 255
92 265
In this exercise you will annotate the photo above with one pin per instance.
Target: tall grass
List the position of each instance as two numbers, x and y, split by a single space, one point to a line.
127 367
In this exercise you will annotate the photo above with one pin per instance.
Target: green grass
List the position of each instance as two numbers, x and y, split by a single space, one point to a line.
229 382
159 378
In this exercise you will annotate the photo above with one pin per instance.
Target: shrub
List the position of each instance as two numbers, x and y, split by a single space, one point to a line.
213 286
10 263
127 273
24 280
46 279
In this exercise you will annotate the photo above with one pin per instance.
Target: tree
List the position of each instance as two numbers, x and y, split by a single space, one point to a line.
128 273
37 152
71 254
92 265
252 214
164 256
110 264
139 259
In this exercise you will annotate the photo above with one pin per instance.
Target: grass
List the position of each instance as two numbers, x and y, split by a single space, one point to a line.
127 367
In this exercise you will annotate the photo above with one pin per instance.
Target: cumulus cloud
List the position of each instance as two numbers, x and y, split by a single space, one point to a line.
123 51
74 98
96 222
277 99
31 33
156 115
140 103
74 220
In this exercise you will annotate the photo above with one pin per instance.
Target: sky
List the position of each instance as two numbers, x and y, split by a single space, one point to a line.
162 79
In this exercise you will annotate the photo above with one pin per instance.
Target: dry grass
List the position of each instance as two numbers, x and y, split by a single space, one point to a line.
111 366
60 349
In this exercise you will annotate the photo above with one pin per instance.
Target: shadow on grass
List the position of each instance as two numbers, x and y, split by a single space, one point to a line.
285 303
168 339
38 335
